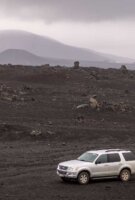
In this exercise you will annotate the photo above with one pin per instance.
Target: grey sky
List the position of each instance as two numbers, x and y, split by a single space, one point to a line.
102 25
69 10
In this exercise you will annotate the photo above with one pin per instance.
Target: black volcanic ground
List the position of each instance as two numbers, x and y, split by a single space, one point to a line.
40 127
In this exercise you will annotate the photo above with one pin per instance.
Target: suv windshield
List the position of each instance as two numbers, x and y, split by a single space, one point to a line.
88 157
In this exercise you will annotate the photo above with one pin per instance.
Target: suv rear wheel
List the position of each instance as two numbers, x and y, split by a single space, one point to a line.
83 178
125 175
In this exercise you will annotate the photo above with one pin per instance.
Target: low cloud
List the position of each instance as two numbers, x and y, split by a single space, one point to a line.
51 11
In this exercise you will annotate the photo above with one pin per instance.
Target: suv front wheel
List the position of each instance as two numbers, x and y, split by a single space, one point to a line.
125 175
83 178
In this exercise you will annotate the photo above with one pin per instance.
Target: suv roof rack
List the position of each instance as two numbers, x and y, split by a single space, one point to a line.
110 150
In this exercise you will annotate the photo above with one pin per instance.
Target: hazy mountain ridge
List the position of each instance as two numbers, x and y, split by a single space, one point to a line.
49 48
24 48
17 56
44 46
23 57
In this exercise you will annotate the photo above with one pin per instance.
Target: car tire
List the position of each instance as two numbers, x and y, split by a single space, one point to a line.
83 178
125 175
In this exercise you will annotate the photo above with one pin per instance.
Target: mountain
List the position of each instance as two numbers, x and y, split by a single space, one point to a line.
44 46
22 57
48 48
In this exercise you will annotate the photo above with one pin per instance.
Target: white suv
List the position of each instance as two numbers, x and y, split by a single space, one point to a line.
99 164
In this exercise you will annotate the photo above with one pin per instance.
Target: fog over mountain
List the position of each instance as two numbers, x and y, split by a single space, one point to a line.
104 26
46 47
20 47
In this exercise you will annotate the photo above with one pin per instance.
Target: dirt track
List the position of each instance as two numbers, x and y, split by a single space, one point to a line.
45 100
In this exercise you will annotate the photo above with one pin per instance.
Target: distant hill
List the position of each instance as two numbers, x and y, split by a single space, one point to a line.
48 48
22 57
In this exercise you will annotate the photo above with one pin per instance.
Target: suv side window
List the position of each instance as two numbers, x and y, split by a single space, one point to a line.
129 156
114 157
102 159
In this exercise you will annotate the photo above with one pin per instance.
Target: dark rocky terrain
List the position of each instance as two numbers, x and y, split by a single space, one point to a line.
41 126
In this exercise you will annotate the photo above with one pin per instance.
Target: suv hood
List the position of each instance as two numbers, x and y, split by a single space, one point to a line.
75 163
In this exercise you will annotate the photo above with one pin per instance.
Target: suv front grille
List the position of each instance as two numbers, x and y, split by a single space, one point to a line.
62 172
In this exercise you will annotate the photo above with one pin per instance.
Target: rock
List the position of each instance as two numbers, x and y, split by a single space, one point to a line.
14 98
6 98
126 91
10 94
131 76
82 106
80 118
2 183
122 107
93 102
76 65
102 120
36 132
50 132
26 87
50 123
33 99
54 99
124 69
45 65
94 74
84 95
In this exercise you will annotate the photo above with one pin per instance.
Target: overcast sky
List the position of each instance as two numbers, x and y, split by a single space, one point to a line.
102 25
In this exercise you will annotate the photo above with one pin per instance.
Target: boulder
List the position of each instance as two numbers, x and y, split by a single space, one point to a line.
93 102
